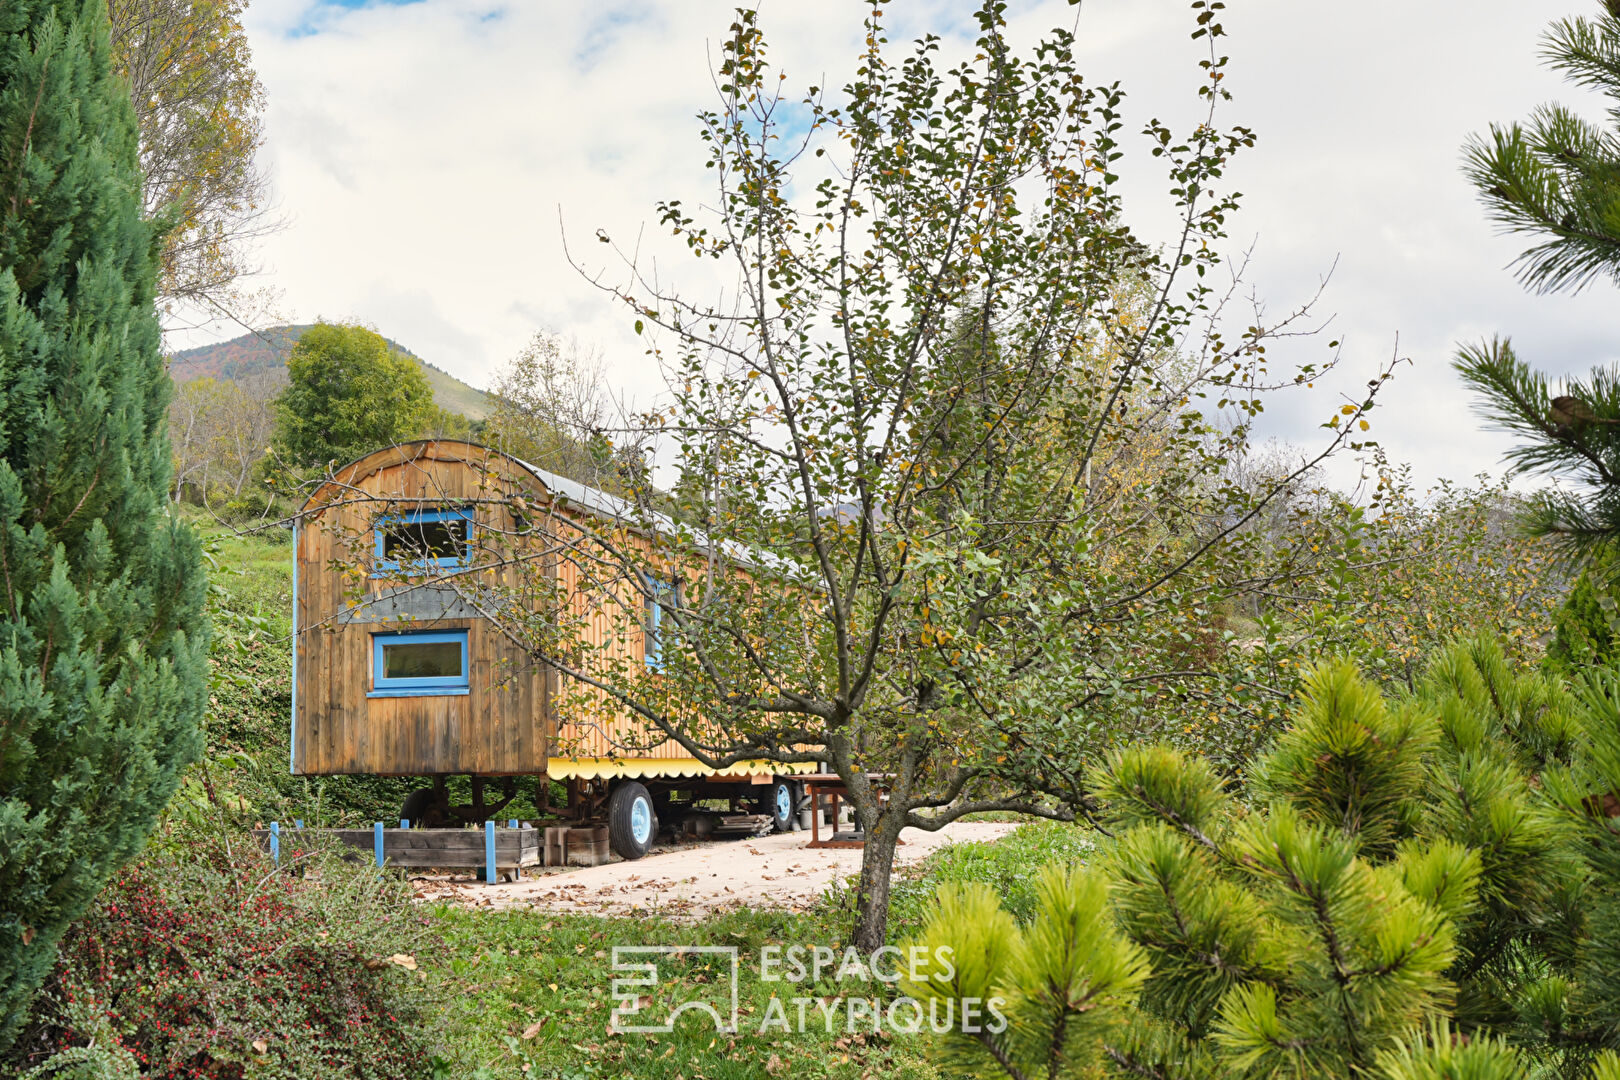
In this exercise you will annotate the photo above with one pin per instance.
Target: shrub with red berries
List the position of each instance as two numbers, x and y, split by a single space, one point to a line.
205 960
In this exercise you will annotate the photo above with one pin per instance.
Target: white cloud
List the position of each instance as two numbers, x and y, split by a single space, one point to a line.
424 153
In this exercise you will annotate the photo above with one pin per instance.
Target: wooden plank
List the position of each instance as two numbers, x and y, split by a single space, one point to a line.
486 737
336 722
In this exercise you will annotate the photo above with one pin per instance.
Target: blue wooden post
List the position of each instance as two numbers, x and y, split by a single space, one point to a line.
377 837
404 822
512 823
489 852
275 842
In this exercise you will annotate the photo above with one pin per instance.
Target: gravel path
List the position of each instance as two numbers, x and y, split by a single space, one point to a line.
698 878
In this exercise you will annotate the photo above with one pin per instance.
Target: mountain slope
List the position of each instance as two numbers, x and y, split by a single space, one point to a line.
252 354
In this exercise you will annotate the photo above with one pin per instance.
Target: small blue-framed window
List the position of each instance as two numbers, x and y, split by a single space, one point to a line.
660 594
419 540
414 664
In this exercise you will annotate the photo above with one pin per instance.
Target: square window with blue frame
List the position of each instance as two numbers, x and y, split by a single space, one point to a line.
419 541
661 595
419 663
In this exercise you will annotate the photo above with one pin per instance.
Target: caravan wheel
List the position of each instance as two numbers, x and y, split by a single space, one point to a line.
422 808
784 805
631 820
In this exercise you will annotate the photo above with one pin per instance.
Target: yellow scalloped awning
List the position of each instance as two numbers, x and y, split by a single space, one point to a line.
614 768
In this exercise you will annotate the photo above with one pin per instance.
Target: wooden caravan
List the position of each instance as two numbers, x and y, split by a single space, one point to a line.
399 668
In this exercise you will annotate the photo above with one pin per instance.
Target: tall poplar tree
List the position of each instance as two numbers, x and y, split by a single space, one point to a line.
102 632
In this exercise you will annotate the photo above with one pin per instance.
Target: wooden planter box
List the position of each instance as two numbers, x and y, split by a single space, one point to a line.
588 845
425 848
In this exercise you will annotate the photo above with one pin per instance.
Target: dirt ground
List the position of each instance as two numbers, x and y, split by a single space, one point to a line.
696 878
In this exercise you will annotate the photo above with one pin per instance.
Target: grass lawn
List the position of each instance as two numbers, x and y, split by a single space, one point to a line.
534 999
532 992
255 569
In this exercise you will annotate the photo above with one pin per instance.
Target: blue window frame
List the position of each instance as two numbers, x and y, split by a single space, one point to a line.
659 594
409 664
422 540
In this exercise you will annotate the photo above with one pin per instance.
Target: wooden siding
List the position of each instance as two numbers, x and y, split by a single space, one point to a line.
505 723
613 624
500 726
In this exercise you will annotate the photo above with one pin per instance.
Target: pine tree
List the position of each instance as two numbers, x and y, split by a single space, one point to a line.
1557 178
1027 998
1440 1055
1589 792
1574 433
1413 889
102 633
1306 940
1502 733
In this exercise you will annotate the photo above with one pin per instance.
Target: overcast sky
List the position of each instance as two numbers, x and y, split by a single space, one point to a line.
424 154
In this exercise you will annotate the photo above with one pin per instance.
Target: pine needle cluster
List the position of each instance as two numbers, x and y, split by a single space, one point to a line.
1410 888
1556 178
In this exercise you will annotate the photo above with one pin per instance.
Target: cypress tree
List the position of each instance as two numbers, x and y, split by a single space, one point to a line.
102 633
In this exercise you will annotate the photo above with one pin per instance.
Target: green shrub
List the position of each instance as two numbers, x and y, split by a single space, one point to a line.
254 506
1584 628
1009 866
203 959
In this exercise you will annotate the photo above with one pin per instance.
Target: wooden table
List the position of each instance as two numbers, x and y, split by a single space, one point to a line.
831 785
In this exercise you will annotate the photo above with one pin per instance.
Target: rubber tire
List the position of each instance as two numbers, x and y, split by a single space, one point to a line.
621 807
417 804
773 805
